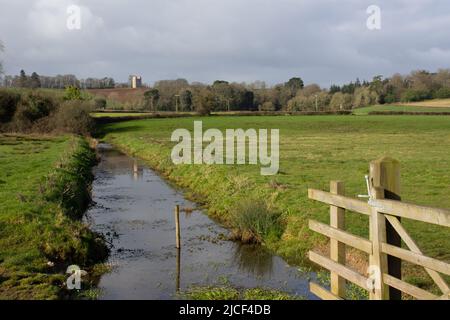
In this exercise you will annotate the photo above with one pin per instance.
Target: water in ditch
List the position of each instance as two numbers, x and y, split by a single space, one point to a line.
134 210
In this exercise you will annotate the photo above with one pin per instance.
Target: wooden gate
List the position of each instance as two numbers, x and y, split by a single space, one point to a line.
385 211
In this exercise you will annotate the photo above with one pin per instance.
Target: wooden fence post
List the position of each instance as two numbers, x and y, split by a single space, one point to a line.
177 227
385 176
337 249
378 260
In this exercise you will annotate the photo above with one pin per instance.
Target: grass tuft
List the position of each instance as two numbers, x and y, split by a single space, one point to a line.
230 293
255 221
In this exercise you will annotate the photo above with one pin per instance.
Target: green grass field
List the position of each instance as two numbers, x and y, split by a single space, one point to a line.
43 192
117 114
313 151
400 108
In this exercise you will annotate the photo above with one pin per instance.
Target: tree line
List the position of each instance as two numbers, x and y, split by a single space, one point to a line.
35 81
294 95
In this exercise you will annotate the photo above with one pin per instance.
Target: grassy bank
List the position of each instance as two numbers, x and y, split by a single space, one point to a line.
44 192
402 108
313 151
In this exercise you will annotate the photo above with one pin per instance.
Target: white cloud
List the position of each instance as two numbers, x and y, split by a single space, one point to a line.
47 19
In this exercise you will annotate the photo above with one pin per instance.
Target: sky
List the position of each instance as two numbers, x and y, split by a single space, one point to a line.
322 42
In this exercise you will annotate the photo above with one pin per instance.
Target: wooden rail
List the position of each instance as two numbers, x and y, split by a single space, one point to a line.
384 244
395 208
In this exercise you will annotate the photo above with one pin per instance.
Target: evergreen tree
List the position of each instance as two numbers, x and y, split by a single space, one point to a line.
295 84
23 79
152 97
334 88
35 81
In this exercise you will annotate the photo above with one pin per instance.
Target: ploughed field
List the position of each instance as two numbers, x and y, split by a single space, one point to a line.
313 151
432 106
438 103
121 95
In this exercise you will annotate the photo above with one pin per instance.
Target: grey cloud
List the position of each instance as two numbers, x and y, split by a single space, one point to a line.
203 40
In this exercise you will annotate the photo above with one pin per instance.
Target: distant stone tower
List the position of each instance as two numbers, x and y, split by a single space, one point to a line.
135 81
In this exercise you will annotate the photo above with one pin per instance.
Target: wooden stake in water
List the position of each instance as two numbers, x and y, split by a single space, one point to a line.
177 226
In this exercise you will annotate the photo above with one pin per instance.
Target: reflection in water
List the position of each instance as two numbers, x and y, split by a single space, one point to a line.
178 276
253 259
187 212
137 173
134 211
